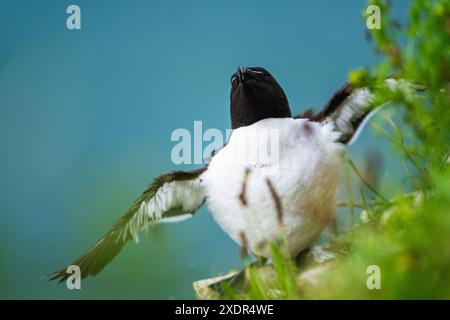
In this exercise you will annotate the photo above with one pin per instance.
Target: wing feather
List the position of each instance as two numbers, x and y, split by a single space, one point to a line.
173 196
350 108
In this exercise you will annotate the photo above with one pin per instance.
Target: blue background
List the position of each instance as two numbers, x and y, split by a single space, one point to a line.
86 118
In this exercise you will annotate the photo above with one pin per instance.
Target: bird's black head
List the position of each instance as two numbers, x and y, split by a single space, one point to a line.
256 95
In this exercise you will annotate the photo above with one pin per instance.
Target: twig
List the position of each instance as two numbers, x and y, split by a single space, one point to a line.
348 187
363 180
346 205
277 201
244 244
402 146
363 198
243 194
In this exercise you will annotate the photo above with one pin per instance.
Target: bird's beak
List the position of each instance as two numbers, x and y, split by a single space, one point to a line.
241 72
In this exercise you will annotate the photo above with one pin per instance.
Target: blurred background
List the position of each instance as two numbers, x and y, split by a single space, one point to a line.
86 118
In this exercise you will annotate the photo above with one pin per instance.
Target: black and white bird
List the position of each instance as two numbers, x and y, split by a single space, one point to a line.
246 197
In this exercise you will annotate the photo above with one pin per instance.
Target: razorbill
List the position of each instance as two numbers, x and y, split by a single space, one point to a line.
290 190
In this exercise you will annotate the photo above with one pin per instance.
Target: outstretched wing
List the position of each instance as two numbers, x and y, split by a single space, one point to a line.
349 108
350 116
172 196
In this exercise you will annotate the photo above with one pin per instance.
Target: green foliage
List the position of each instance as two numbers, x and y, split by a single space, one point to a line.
424 58
407 236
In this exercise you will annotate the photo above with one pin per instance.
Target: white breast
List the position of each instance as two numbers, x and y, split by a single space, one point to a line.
300 159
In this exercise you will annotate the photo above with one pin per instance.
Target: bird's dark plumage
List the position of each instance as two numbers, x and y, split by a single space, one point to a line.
347 109
256 95
331 106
